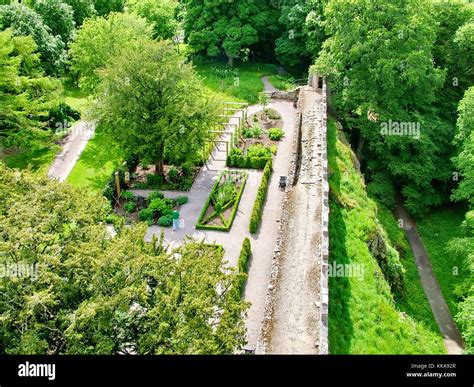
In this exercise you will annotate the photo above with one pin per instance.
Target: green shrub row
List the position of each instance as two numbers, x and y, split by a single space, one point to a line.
201 226
243 264
257 210
241 161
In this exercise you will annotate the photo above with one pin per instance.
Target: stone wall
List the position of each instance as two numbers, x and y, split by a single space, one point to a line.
291 95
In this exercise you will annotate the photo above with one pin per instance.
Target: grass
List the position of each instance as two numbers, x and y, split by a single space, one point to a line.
97 162
74 96
364 317
282 82
414 301
240 83
38 160
436 230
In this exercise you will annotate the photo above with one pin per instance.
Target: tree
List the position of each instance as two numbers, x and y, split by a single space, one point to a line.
160 14
153 102
83 9
302 35
26 95
58 16
104 7
381 72
24 21
90 293
218 27
99 39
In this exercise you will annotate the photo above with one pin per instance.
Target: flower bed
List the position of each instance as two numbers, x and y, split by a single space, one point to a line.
221 206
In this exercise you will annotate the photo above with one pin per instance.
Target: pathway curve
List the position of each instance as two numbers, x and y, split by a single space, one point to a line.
451 337
76 142
264 241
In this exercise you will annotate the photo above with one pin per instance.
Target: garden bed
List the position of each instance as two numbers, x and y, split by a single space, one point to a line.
174 179
221 206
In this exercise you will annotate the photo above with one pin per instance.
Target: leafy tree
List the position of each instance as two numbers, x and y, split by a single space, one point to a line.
160 14
24 21
82 10
101 38
96 294
26 95
58 16
154 103
302 35
381 70
104 7
217 27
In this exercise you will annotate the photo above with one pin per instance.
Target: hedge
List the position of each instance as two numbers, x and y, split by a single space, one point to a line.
243 264
241 161
200 226
257 210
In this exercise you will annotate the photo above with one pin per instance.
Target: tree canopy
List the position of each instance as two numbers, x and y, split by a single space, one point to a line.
58 16
153 103
90 293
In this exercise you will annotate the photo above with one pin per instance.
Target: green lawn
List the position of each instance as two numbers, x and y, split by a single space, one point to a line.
97 163
436 230
282 82
74 97
364 317
38 160
240 83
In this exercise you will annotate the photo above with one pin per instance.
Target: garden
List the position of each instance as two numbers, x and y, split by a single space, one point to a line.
155 209
221 206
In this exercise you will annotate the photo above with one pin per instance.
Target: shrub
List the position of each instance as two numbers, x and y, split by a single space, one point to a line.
146 215
160 206
272 114
256 130
130 207
258 150
180 200
165 221
127 195
381 187
257 210
274 149
116 220
243 264
255 118
248 133
187 168
236 152
154 181
155 195
275 134
173 175
186 183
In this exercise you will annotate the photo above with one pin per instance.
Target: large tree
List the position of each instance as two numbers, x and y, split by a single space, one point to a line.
58 16
83 9
378 59
26 94
24 21
81 291
230 28
99 39
153 102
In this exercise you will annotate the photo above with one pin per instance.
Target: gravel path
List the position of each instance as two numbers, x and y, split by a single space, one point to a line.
294 327
451 337
76 142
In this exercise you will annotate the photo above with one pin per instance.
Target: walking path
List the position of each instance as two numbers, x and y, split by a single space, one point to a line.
451 337
76 142
264 241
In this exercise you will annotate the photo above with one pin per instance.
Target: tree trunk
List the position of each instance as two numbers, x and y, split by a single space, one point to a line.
360 148
230 60
159 166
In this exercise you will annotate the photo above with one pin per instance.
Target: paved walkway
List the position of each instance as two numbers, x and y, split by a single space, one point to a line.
76 142
451 337
264 241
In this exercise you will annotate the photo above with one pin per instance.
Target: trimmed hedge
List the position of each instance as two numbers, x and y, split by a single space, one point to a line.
200 226
257 210
241 161
243 264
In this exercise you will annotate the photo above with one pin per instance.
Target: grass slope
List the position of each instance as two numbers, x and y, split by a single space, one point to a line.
436 230
364 318
38 160
97 162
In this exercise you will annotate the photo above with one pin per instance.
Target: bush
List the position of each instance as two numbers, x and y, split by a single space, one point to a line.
116 220
243 264
160 206
155 195
154 181
272 114
180 200
127 195
257 210
259 150
62 113
247 162
173 175
256 130
255 118
130 207
146 215
274 149
187 168
275 134
381 188
165 221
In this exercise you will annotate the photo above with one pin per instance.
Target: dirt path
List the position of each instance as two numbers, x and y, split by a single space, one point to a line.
451 337
294 328
76 142
267 85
